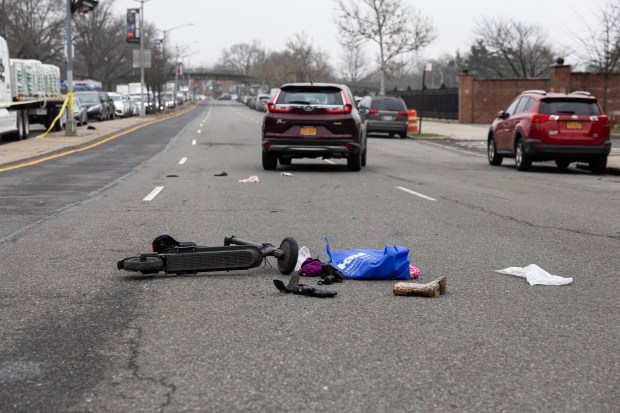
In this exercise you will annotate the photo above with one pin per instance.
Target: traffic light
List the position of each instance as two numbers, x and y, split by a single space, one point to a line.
84 6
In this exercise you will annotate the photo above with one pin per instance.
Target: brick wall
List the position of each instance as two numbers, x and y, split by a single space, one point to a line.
480 100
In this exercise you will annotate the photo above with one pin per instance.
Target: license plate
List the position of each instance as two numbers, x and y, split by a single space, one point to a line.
573 125
308 131
387 117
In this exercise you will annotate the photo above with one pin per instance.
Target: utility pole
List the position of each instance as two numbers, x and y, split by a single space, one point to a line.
70 125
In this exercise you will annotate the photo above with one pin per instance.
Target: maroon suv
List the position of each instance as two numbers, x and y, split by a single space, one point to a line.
312 120
540 126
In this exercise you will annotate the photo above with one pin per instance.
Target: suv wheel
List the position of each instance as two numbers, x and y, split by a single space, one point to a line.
270 161
354 162
494 158
285 160
364 158
562 163
599 165
522 161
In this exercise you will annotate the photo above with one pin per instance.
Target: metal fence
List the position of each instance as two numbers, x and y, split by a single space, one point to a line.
433 103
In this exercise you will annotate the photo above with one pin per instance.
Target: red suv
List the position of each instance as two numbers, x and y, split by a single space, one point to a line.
541 126
312 120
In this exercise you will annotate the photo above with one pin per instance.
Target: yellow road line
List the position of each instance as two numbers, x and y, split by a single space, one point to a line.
69 152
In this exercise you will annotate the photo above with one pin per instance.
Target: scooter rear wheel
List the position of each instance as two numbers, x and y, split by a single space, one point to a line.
287 261
145 265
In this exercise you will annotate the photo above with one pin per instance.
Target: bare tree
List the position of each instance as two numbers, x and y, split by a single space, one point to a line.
242 57
390 24
520 47
601 44
34 29
101 49
354 63
301 61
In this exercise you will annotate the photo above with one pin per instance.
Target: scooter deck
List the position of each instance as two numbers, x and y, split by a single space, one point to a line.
212 259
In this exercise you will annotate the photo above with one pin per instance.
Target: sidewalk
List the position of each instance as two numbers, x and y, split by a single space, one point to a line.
33 149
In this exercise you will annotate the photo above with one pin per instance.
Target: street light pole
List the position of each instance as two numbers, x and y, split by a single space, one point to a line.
163 48
142 105
69 125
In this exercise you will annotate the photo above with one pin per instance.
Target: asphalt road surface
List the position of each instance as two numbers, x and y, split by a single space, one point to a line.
78 335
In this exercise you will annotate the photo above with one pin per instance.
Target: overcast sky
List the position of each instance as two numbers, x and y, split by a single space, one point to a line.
218 24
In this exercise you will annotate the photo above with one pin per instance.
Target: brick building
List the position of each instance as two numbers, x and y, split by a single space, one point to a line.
481 99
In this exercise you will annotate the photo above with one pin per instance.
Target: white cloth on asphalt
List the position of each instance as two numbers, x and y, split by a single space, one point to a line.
536 275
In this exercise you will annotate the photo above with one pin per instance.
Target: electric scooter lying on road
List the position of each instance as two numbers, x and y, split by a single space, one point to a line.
185 257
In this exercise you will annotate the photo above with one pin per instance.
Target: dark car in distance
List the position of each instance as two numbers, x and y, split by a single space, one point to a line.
540 126
385 114
96 107
313 120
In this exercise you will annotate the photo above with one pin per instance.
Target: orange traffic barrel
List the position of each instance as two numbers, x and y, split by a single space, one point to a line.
412 122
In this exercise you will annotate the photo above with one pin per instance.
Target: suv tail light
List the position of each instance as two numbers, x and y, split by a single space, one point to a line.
373 112
600 118
403 113
271 107
540 118
346 108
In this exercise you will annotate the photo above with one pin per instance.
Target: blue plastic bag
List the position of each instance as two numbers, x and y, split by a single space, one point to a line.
391 263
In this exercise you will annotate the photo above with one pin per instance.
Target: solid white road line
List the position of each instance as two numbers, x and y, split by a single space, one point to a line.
153 193
416 193
182 161
194 142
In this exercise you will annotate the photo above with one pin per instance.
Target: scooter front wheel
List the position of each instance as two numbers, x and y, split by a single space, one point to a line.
145 265
288 260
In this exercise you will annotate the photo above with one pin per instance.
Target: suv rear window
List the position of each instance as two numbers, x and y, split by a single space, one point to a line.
568 107
388 104
310 96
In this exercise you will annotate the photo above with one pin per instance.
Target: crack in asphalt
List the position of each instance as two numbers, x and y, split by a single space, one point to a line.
135 344
530 224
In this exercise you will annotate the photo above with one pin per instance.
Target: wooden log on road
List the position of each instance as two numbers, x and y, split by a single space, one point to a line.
431 289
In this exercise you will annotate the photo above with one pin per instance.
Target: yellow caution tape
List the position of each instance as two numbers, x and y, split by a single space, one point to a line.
62 111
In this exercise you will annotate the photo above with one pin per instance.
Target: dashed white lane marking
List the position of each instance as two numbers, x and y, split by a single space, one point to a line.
328 161
183 160
153 193
199 131
194 142
428 198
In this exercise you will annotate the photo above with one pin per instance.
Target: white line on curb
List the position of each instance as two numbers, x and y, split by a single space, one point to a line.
194 142
415 193
153 193
182 161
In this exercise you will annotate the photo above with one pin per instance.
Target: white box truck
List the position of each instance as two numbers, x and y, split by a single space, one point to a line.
29 93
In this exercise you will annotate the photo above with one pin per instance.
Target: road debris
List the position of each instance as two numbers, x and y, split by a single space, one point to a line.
431 289
535 275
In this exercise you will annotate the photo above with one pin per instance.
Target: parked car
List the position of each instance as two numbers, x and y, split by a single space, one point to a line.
261 101
312 120
109 103
121 107
96 107
540 126
79 112
384 114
